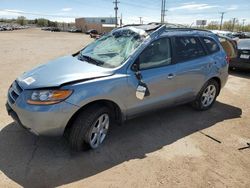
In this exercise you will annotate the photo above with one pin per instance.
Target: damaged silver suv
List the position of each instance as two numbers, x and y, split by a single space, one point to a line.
125 73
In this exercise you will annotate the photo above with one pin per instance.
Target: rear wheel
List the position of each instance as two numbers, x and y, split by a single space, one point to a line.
207 96
90 128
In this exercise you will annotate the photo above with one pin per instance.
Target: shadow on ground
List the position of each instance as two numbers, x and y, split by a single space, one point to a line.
48 162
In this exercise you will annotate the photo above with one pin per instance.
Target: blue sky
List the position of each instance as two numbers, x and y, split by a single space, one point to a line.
179 11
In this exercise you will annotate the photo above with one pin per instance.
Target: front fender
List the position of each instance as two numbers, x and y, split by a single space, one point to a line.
113 88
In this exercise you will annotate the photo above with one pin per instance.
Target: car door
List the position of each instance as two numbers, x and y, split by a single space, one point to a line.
157 73
192 67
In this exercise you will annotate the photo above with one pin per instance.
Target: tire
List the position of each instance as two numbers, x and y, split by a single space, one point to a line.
85 128
199 103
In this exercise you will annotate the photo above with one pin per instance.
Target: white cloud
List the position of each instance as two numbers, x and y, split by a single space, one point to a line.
10 13
193 6
60 19
66 9
232 7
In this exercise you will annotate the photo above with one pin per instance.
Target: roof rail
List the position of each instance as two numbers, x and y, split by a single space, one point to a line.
147 29
132 25
187 29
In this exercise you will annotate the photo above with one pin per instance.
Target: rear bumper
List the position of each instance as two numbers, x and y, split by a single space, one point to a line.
239 63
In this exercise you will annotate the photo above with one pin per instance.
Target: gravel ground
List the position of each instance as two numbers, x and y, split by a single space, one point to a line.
170 148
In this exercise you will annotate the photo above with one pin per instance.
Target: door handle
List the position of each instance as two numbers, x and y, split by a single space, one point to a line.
171 75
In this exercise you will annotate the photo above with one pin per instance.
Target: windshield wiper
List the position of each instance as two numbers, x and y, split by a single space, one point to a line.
90 59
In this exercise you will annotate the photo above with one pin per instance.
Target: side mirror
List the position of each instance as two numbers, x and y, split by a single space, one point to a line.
135 66
136 69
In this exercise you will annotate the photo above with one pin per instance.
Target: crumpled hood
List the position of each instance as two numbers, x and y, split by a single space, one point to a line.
62 70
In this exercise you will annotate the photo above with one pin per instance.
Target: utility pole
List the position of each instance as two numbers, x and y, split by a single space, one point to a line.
121 20
233 24
116 10
221 19
243 24
163 10
140 20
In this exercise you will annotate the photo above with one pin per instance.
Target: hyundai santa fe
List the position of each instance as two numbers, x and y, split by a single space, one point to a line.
127 72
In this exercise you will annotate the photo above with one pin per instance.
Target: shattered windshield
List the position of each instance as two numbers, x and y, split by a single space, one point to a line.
114 48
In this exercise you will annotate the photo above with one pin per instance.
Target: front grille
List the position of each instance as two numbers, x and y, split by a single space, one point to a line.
14 92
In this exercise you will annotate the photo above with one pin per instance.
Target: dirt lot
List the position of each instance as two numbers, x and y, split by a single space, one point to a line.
166 149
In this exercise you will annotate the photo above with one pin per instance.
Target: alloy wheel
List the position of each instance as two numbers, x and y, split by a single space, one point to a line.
208 95
99 130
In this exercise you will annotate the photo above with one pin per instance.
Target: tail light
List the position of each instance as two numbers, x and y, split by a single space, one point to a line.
228 59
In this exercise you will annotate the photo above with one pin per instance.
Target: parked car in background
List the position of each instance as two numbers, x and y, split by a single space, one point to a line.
52 29
11 27
242 61
92 33
46 28
225 33
241 35
127 72
247 34
74 30
89 31
55 29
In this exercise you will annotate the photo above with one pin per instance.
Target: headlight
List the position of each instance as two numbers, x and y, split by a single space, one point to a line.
44 97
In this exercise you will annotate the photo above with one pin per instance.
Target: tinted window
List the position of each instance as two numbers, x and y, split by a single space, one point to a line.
211 45
156 54
244 43
187 48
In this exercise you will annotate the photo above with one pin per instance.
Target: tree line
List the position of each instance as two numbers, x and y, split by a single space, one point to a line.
231 25
21 20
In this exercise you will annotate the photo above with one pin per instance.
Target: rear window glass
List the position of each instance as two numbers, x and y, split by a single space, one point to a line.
211 45
244 43
188 48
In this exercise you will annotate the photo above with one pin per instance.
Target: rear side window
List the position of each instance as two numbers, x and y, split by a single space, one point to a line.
211 45
188 48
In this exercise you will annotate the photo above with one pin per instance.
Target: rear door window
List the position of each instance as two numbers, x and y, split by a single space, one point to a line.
187 48
211 45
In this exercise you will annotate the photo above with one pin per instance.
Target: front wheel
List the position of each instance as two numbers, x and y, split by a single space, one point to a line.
207 96
90 128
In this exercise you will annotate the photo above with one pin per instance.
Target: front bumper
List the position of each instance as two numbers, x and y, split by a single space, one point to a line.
15 116
49 120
